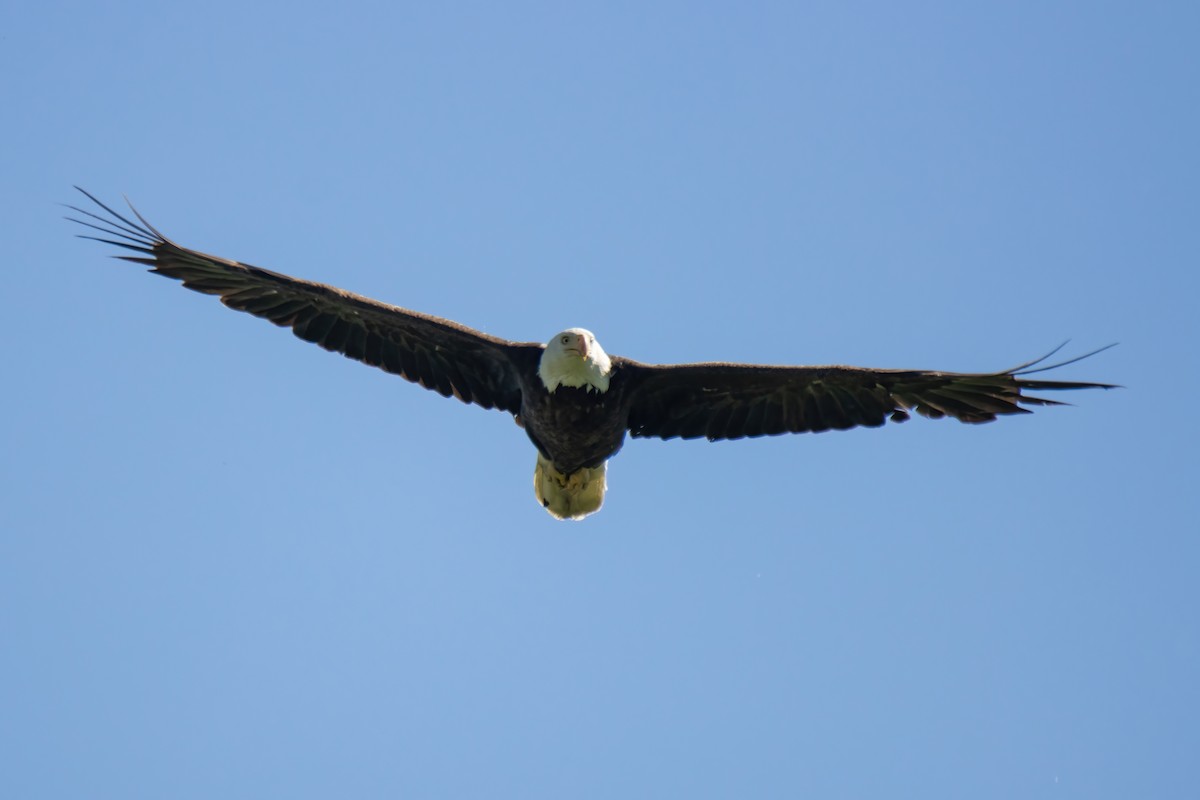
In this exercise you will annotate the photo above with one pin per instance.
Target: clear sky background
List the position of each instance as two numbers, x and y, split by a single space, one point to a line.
234 565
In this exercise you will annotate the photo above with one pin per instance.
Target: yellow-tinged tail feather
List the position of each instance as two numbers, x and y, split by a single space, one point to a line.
571 496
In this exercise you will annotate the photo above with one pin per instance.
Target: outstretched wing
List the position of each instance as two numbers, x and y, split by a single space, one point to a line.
441 355
732 401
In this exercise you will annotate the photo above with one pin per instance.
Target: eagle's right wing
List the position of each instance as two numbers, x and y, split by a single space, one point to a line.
438 354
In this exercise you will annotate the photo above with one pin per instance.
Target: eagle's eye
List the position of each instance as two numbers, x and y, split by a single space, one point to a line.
565 339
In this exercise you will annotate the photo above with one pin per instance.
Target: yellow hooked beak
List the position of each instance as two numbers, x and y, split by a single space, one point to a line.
579 347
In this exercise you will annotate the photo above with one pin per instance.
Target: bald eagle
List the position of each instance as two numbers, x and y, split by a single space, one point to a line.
576 402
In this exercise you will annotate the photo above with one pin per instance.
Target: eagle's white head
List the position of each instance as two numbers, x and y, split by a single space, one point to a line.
574 358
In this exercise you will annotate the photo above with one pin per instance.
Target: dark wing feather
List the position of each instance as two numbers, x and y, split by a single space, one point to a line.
732 401
438 354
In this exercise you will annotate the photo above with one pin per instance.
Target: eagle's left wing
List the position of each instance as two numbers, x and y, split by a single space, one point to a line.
732 401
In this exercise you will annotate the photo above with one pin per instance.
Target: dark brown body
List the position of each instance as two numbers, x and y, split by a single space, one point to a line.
576 428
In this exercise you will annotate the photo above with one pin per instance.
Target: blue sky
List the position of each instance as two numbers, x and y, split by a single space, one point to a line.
235 565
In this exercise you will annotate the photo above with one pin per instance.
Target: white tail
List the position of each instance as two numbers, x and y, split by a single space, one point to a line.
571 496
